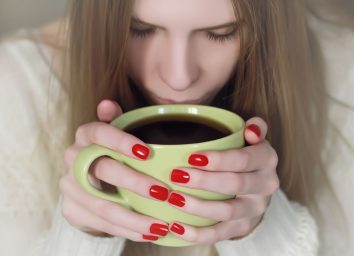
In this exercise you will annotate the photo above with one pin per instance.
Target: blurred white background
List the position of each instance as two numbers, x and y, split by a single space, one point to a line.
15 14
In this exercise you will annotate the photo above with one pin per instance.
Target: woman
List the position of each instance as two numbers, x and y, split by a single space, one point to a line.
261 62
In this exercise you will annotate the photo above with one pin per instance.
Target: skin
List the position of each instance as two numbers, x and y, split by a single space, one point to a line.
177 62
168 59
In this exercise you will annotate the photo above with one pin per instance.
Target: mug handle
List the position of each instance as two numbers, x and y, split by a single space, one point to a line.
82 165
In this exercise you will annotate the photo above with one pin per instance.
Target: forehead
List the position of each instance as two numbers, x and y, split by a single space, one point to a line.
190 13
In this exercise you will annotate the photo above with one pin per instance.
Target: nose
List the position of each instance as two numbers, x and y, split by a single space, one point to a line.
178 67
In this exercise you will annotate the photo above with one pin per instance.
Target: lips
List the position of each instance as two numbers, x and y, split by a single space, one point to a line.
170 101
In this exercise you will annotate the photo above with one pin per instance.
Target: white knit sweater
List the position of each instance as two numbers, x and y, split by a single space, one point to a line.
29 224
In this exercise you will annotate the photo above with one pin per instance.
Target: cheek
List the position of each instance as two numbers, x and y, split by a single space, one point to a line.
134 57
139 60
220 63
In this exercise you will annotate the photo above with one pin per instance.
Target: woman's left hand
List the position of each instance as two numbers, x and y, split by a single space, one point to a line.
249 173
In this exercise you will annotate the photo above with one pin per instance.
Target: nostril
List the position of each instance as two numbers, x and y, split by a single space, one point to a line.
177 83
178 80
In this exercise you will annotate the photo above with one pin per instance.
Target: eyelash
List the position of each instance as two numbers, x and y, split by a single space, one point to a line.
222 38
211 36
141 33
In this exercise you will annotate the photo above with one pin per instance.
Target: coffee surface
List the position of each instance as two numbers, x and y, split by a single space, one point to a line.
174 130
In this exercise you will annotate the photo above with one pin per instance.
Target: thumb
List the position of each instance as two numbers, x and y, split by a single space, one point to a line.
256 130
107 110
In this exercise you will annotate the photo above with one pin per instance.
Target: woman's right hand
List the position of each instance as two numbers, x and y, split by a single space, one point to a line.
98 216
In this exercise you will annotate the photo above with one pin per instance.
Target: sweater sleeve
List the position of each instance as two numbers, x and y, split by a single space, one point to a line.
31 161
63 240
287 229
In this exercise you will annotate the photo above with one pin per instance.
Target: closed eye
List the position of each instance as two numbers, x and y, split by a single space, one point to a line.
142 33
223 37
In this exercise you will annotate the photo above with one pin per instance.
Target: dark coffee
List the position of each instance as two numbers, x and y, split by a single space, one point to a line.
177 129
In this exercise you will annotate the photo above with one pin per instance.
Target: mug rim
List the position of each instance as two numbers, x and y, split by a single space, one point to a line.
234 122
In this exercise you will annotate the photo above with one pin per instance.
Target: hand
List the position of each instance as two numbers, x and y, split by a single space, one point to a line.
98 216
249 173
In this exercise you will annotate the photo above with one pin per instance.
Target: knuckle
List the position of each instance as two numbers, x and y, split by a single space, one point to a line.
273 185
134 180
198 180
237 186
260 208
125 139
245 228
79 132
228 212
194 236
213 234
273 158
108 228
68 157
65 183
210 237
102 208
67 212
245 158
94 133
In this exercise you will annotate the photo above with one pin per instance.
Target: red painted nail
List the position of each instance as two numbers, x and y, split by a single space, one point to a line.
141 151
150 238
176 228
179 176
159 192
198 160
159 229
177 199
255 129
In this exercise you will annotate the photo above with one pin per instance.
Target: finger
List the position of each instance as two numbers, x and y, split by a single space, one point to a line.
120 175
84 220
107 110
111 212
69 157
256 130
250 158
113 138
233 209
228 183
218 232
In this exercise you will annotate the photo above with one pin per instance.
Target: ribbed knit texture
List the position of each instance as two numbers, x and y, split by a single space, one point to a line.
65 240
286 229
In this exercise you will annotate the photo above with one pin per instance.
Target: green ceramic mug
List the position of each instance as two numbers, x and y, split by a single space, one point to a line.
164 157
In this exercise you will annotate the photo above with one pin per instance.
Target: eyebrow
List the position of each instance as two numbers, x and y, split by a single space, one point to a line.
224 25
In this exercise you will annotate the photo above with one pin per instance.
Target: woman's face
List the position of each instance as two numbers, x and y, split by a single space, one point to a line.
182 51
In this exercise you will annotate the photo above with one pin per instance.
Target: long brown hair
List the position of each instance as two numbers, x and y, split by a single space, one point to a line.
278 77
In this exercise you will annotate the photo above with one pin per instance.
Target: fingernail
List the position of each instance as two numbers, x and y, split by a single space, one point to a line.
176 228
141 151
150 238
177 199
159 229
198 160
159 192
255 129
179 176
